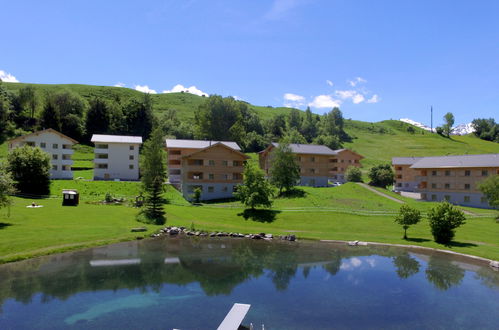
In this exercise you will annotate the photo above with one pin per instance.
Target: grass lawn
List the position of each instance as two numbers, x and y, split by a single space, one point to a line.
349 212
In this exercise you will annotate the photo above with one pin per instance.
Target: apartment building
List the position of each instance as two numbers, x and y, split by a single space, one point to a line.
216 167
318 163
455 178
405 176
56 144
116 157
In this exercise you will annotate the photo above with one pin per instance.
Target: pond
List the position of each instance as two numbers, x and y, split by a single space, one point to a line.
191 283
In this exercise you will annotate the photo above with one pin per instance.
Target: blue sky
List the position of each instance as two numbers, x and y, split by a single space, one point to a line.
375 59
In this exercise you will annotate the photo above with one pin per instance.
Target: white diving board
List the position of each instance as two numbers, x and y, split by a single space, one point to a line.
233 319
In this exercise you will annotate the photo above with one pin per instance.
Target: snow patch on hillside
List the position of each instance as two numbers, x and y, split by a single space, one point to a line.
460 129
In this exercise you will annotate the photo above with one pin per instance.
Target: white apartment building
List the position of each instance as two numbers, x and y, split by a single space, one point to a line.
116 157
56 144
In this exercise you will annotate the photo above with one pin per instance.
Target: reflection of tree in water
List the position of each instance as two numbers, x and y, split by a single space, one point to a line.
442 273
333 267
406 265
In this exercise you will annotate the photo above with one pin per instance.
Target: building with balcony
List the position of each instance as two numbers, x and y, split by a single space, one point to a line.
405 176
116 157
455 178
318 164
56 144
215 167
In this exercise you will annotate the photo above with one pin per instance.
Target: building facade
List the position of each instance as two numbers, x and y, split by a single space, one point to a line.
56 144
455 178
318 164
215 167
116 157
405 176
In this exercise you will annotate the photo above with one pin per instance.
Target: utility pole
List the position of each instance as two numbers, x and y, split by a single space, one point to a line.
431 114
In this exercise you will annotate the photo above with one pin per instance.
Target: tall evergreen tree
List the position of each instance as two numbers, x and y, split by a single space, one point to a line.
98 118
50 117
153 169
294 119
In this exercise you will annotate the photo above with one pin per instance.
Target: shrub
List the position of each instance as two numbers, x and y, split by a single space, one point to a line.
444 219
196 196
381 175
353 174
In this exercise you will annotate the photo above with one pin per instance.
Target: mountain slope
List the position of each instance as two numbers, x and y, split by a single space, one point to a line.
378 142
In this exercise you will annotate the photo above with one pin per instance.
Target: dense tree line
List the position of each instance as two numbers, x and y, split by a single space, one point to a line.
71 114
217 118
486 129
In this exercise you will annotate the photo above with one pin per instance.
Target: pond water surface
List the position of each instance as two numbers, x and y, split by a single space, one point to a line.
189 283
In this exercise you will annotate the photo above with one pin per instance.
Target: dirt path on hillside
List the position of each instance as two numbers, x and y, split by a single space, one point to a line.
380 193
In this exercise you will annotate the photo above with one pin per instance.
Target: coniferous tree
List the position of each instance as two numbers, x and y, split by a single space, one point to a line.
154 174
309 126
98 118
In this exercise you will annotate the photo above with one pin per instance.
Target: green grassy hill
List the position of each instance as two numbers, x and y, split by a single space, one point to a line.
378 142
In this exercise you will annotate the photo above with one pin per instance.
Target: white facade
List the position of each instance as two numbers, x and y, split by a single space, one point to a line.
57 145
116 157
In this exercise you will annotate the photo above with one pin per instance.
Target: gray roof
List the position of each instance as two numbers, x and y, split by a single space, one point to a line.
116 139
405 160
198 144
486 160
312 149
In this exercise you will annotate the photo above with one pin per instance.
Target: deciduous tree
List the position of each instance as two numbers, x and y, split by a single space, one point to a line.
284 170
256 190
30 169
490 188
353 174
407 217
449 122
381 175
444 219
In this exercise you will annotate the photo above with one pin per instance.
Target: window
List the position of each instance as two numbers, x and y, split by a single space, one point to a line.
211 163
399 176
467 186
102 166
311 170
54 157
447 173
132 147
175 171
211 176
342 161
101 146
225 176
54 167
175 152
433 197
66 168
466 199
485 173
31 144
130 157
211 189
234 188
399 168
43 145
224 189
237 163
467 173
335 160
447 186
130 167
335 169
55 146
225 163
102 156
312 159
237 176
434 186
434 173
447 198
399 184
299 159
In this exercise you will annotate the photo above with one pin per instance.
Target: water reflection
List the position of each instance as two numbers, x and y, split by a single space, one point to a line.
221 267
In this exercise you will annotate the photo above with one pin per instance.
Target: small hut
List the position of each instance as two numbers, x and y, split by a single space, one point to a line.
70 197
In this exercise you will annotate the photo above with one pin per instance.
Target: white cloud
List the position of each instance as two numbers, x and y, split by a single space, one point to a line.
357 80
180 88
293 97
7 77
358 98
373 99
329 82
120 84
324 101
144 89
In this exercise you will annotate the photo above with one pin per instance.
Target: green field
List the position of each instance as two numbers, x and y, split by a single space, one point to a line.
348 212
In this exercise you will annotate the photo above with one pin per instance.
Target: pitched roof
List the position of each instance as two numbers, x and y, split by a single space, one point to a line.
405 160
486 160
312 149
116 138
198 144
48 130
215 145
